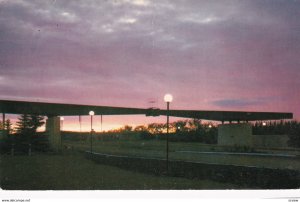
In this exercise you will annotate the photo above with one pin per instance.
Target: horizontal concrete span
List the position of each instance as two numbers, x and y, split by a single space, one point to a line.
230 134
57 109
250 177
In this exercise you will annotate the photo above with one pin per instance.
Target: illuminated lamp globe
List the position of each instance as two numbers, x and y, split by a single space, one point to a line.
62 118
168 98
91 113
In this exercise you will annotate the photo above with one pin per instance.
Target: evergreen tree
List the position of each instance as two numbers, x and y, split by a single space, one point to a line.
23 124
36 122
1 125
7 126
28 124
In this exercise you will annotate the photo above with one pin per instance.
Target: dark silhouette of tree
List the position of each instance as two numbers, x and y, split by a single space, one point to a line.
155 128
294 134
140 128
194 124
180 126
23 126
142 132
27 125
2 126
127 128
8 126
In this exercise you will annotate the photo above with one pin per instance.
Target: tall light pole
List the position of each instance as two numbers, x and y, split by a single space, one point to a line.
168 98
91 113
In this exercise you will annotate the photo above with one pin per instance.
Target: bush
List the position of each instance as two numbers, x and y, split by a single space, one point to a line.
145 135
39 142
294 135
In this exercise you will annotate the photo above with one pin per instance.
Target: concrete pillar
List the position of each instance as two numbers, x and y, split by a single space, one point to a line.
53 131
239 134
3 131
3 120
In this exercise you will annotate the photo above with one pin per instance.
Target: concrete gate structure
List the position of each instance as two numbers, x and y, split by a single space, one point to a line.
229 134
235 134
53 132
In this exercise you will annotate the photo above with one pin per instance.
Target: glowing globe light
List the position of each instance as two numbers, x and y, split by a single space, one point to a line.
91 113
168 98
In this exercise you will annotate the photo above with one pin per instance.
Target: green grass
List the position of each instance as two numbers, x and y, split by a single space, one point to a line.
72 171
148 148
157 149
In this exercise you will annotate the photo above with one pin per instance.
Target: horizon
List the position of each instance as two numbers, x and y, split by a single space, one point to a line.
114 122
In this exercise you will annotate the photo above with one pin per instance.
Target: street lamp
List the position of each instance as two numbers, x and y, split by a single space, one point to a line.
168 98
91 113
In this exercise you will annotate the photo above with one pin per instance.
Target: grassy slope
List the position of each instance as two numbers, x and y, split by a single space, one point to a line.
74 172
156 149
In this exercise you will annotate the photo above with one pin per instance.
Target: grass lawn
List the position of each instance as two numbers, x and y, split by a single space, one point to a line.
71 171
145 148
157 149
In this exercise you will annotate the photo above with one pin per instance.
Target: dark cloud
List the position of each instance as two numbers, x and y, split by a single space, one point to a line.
232 103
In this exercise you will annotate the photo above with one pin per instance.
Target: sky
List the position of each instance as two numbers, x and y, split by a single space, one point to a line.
241 55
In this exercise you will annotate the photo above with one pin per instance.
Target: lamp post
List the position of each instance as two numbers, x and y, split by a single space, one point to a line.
168 99
91 113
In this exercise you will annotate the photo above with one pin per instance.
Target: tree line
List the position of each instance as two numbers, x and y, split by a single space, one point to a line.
207 132
191 130
24 134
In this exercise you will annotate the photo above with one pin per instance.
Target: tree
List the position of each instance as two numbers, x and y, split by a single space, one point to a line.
6 126
140 128
127 128
28 124
36 122
155 128
194 124
294 134
180 126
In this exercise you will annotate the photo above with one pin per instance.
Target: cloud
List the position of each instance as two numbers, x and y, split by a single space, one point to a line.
131 51
237 103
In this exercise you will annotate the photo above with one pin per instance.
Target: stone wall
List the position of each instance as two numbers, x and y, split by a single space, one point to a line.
270 141
250 177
